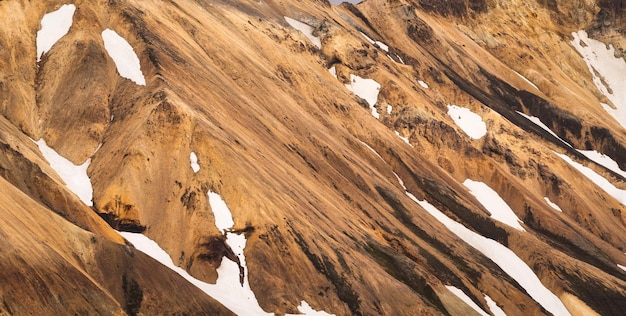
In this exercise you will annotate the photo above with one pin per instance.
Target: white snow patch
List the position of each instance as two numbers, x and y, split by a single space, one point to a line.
124 56
539 123
389 108
506 259
400 181
460 294
526 79
423 84
495 309
552 204
367 89
621 267
405 139
333 71
490 199
400 59
603 160
306 309
471 123
75 177
54 26
599 180
372 149
306 29
382 45
227 290
194 162
223 217
607 71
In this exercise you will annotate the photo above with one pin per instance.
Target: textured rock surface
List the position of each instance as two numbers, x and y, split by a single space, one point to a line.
286 146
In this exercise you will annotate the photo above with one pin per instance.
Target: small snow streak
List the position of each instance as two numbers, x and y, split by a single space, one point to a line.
553 205
471 123
54 26
75 177
194 162
124 56
382 45
460 294
306 29
423 84
490 199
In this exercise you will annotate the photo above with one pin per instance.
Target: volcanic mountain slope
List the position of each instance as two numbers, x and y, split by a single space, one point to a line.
392 157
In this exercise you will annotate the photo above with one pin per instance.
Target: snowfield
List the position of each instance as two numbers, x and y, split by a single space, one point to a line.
607 72
506 259
471 123
54 26
75 177
367 89
306 29
124 56
490 199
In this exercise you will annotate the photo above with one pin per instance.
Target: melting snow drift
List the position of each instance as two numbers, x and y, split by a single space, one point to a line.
607 71
124 56
306 29
506 259
460 294
367 89
75 177
490 199
54 26
194 162
471 123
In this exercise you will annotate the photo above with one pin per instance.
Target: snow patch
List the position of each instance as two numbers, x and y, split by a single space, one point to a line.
372 149
539 123
423 84
75 177
223 217
490 199
306 309
495 309
227 290
460 294
621 267
607 72
603 160
333 71
382 45
552 204
599 180
405 139
367 89
124 56
306 29
54 26
526 79
389 108
194 162
400 181
506 259
471 123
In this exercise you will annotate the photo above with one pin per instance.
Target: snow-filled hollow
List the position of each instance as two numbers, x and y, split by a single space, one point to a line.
305 29
367 89
75 177
471 123
124 56
492 201
607 72
193 159
502 256
54 26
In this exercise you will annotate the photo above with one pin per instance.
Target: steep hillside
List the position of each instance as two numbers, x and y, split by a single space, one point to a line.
395 157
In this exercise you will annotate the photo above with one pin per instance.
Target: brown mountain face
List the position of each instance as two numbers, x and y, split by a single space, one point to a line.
323 190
